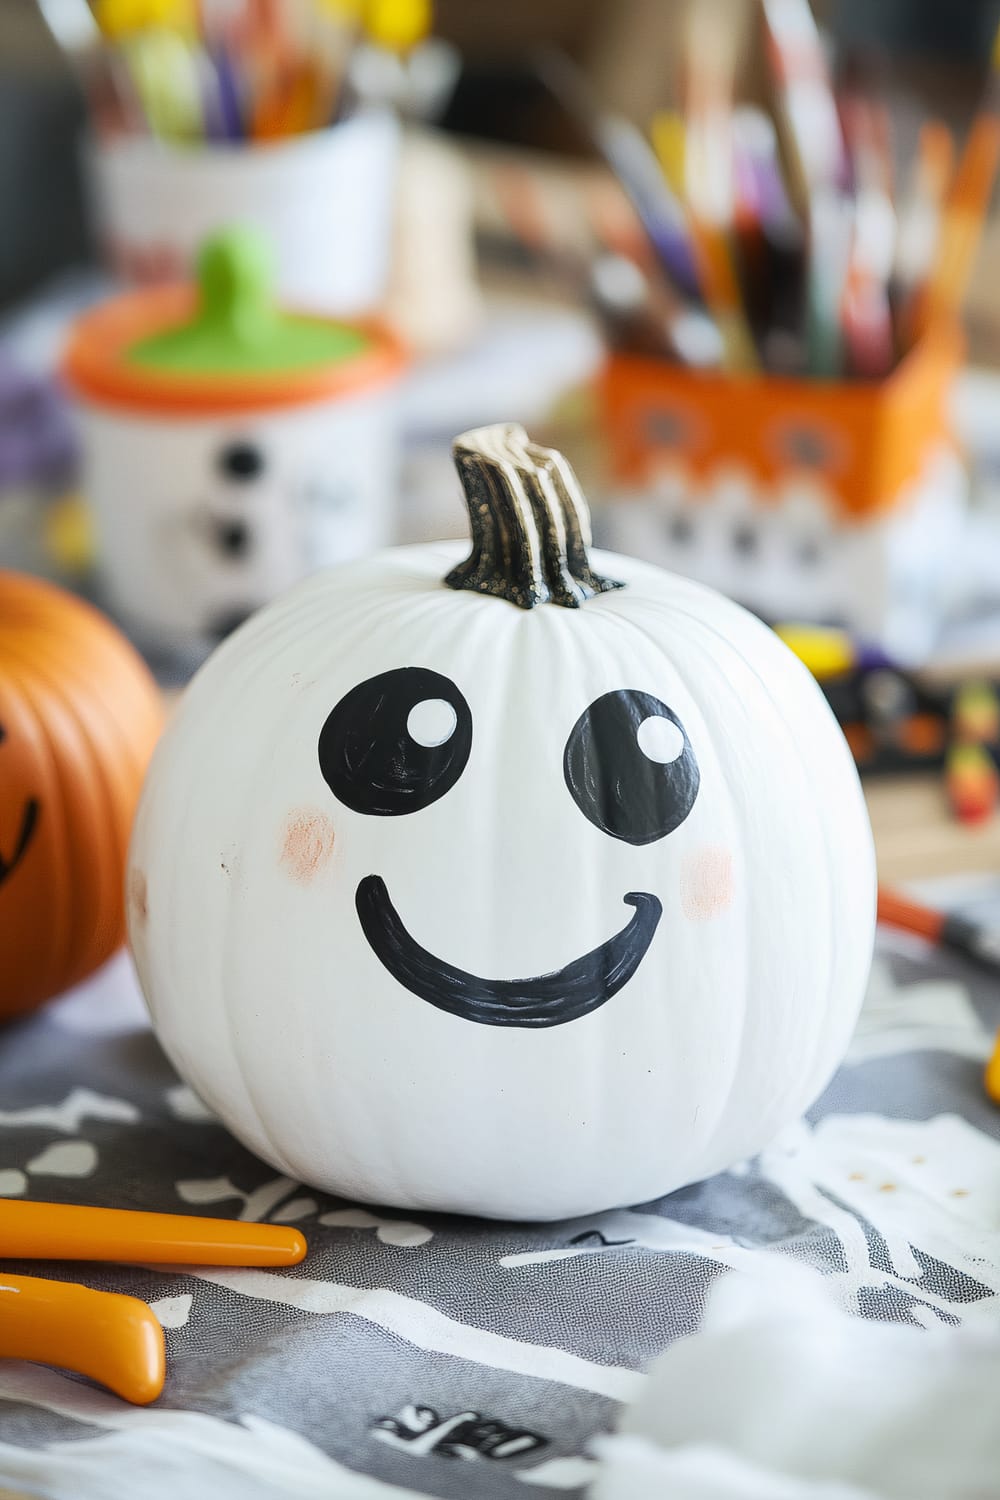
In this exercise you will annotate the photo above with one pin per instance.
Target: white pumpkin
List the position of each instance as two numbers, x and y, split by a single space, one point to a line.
524 912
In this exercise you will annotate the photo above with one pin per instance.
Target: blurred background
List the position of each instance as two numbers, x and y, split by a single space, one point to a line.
735 258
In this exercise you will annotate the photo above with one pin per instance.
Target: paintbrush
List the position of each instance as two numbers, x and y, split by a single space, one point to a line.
921 213
112 102
634 163
710 179
867 313
965 209
943 929
813 148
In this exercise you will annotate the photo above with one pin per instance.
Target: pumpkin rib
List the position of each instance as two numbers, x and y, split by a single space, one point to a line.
109 853
226 992
90 887
827 968
226 939
53 952
692 617
82 884
713 1128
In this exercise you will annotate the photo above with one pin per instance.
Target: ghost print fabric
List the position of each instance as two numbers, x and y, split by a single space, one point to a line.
432 1355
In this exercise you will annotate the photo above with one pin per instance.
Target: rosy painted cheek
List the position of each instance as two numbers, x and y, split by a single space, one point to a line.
309 841
706 883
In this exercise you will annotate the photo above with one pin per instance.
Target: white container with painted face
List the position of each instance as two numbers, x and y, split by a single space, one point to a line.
229 448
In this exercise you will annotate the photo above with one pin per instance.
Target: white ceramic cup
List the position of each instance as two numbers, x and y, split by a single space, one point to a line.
326 200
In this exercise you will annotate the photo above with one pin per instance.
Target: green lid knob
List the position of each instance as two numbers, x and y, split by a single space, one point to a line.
236 286
239 328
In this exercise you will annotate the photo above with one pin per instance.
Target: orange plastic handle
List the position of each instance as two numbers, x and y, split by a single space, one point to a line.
896 911
114 1339
63 1231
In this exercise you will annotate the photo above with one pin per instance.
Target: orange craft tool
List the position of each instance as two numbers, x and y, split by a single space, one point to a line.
114 1339
943 929
991 1077
63 1231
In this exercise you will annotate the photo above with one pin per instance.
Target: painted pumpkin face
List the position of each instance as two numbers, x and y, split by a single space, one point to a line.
523 912
78 717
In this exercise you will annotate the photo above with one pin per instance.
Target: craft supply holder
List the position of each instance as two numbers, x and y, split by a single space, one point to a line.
325 198
803 498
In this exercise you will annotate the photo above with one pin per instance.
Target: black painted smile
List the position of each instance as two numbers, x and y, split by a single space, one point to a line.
550 1000
29 818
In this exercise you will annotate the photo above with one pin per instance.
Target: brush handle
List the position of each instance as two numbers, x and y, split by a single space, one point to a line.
61 1231
909 916
116 1340
969 938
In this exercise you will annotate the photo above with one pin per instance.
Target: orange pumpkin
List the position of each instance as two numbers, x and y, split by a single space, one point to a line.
79 715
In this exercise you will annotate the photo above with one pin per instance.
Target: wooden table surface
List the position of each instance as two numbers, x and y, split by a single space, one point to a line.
916 837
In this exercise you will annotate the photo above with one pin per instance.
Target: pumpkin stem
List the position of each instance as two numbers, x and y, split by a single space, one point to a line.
530 522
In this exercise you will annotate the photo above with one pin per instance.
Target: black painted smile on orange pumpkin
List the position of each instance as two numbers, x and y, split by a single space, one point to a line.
29 822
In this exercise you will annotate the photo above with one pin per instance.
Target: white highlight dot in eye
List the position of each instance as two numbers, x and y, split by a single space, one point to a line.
431 722
659 739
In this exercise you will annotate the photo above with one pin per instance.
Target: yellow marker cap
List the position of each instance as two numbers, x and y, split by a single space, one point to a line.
669 142
121 18
826 652
69 534
398 25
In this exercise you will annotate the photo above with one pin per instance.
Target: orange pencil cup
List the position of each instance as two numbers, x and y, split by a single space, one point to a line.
803 498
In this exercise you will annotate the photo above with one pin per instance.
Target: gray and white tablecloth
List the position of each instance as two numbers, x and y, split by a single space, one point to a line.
445 1356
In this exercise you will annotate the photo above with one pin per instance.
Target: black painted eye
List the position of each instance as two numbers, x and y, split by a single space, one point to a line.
630 767
396 743
232 538
241 461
